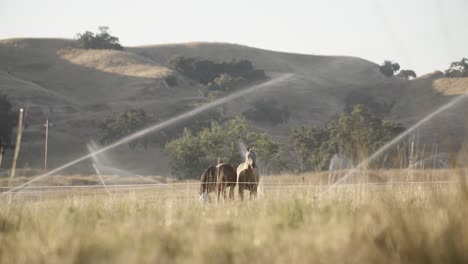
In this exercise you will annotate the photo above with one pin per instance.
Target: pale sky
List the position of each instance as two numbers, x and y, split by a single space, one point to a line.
423 35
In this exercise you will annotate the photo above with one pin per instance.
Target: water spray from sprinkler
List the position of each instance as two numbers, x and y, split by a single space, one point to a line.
103 163
102 180
385 147
160 126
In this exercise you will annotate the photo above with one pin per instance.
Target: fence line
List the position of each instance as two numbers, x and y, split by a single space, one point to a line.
193 185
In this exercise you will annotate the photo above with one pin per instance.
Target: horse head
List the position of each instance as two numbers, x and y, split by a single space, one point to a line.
251 157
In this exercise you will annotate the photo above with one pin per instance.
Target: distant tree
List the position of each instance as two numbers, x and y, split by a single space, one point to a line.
389 68
7 120
202 71
458 69
267 150
407 74
192 153
101 40
187 155
304 142
360 133
390 130
355 135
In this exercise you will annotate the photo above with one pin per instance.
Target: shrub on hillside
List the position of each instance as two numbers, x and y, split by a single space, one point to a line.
225 82
206 71
101 40
407 74
171 80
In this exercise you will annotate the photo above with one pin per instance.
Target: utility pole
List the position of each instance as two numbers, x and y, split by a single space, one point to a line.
18 143
46 142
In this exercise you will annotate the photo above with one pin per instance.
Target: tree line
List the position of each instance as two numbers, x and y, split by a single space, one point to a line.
354 134
456 69
222 76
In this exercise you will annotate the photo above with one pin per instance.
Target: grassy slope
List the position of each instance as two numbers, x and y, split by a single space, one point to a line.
82 87
86 86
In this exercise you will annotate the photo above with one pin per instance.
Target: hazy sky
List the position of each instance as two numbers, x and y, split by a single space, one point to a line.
423 35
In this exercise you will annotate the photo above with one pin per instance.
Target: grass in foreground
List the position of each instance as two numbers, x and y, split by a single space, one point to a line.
355 224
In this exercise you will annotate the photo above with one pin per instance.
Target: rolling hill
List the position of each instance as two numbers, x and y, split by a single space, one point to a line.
78 88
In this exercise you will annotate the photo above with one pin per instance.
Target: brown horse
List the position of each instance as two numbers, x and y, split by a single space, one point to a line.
218 178
247 174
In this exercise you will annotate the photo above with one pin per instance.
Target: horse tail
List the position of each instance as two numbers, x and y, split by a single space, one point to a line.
204 182
218 175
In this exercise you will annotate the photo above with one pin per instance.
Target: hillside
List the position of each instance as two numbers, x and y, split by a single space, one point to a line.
81 87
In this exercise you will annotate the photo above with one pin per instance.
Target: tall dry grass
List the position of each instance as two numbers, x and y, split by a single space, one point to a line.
416 223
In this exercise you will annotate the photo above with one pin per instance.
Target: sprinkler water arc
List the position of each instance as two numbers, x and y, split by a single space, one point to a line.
381 150
159 126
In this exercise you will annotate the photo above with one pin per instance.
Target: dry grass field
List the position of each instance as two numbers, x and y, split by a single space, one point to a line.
292 220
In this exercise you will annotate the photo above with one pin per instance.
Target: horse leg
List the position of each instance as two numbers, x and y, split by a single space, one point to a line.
231 192
253 192
241 191
224 191
218 190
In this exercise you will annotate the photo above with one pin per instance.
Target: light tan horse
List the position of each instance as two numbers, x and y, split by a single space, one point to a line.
248 176
218 178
